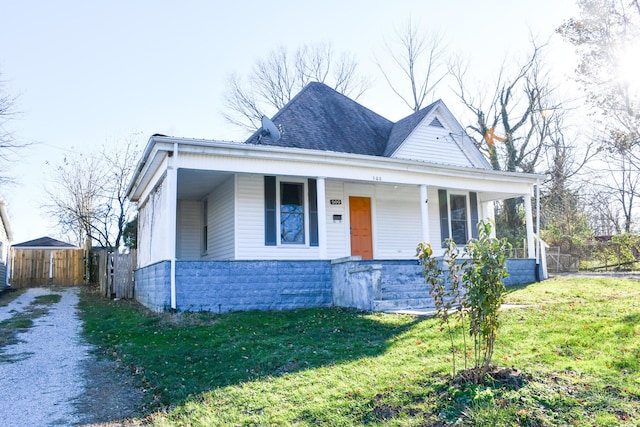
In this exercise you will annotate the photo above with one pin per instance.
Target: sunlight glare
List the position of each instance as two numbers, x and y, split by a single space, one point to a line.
629 67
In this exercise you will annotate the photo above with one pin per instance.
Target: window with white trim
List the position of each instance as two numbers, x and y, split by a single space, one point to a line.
292 213
458 218
458 215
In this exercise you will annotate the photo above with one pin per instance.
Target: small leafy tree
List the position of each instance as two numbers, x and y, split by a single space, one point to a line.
484 270
474 289
446 298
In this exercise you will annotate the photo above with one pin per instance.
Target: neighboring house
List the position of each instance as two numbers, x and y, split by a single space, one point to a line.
6 236
46 261
328 214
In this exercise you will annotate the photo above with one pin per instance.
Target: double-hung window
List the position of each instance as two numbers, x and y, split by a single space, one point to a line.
292 213
458 216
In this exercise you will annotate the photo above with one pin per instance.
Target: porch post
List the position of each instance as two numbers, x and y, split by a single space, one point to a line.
531 251
322 217
538 241
172 206
424 212
488 212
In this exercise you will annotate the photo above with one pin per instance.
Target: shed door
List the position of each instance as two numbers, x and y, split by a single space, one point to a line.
360 215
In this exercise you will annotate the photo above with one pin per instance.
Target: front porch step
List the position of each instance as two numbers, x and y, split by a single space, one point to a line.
403 304
409 276
405 294
410 287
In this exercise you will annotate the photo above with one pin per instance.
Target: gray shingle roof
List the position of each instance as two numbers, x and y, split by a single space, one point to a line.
44 242
320 118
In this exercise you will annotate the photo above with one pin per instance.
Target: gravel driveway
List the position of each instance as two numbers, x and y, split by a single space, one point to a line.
52 376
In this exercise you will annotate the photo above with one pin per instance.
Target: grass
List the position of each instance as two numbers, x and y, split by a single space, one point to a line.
21 321
8 295
576 342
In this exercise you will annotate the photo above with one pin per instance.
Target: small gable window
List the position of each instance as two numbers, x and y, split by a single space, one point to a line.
436 123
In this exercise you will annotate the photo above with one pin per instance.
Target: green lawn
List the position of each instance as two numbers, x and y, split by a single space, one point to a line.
21 320
576 341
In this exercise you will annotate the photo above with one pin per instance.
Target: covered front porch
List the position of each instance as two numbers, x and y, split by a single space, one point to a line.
234 216
273 212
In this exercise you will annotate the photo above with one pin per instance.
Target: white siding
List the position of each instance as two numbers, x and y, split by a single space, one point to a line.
250 222
189 237
336 231
433 144
221 221
398 222
434 218
4 253
153 227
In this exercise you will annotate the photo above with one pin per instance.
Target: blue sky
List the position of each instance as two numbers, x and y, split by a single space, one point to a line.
87 73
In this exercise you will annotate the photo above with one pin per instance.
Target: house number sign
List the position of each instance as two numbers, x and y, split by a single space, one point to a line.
335 201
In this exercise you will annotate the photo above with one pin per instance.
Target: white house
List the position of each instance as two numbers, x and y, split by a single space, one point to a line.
329 213
6 236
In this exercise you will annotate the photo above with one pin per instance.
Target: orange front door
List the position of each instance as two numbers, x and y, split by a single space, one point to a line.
360 214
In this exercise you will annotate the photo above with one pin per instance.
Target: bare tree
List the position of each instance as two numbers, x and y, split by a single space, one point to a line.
421 60
564 162
276 79
511 125
617 179
565 218
9 146
519 109
87 194
605 35
120 162
74 193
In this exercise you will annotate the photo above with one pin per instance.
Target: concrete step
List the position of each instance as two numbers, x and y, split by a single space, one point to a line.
409 285
403 304
401 273
405 294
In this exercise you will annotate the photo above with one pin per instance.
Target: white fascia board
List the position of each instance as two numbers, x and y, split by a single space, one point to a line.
147 175
261 159
382 173
294 155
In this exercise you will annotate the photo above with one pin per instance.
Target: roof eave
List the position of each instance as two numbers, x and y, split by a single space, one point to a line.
299 154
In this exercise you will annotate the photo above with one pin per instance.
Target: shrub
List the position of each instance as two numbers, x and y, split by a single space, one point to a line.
475 295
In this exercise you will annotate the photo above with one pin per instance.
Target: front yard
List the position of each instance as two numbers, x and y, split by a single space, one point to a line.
575 340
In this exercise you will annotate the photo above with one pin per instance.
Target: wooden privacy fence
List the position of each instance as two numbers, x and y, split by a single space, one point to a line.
42 267
122 275
113 272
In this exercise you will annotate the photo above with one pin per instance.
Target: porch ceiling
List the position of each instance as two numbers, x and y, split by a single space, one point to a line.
195 184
